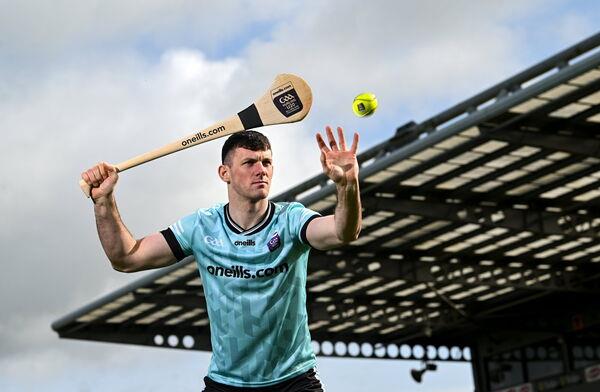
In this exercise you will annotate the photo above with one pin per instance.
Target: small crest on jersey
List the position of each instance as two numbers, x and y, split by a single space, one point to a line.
274 242
213 241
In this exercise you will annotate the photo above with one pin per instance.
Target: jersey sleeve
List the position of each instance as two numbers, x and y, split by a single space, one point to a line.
299 217
179 235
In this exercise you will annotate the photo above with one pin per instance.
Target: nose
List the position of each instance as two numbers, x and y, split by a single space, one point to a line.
261 169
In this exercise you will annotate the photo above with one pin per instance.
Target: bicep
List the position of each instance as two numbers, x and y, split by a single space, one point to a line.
321 233
150 252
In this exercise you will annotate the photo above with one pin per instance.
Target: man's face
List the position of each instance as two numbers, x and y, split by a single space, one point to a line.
250 173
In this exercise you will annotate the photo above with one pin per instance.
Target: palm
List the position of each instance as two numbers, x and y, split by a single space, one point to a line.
340 166
339 163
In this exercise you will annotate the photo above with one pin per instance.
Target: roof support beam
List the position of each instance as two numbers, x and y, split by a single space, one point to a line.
464 270
537 221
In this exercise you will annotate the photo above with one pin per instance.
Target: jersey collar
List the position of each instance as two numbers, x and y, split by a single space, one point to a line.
254 229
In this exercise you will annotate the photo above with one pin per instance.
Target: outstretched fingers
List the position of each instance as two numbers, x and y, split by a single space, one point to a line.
321 143
333 145
331 138
341 138
354 147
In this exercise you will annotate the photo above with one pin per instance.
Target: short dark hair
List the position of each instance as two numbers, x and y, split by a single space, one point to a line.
251 140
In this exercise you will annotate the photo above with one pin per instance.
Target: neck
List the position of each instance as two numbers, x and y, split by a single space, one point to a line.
247 213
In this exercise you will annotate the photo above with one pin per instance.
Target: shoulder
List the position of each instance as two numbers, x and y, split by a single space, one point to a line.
294 212
285 207
203 214
215 210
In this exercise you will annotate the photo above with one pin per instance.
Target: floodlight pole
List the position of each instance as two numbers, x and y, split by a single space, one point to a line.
480 371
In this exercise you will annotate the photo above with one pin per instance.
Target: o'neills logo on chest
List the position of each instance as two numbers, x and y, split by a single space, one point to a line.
245 243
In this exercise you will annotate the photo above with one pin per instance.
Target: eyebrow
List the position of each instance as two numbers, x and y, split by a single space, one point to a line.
249 159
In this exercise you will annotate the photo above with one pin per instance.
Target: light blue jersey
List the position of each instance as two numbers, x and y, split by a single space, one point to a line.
254 283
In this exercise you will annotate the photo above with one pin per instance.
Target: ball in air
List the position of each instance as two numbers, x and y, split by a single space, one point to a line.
364 104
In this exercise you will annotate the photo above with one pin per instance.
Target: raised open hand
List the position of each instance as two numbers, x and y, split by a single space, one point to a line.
339 163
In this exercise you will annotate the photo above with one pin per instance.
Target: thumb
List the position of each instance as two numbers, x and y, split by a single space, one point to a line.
113 174
111 170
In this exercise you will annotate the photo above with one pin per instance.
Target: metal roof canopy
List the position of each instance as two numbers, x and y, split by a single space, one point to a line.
479 223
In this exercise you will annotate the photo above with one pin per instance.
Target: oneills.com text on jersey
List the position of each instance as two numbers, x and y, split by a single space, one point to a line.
239 272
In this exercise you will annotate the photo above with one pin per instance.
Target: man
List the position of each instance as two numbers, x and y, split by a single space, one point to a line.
252 256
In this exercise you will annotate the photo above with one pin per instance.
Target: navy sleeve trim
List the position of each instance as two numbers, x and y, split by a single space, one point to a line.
173 244
305 227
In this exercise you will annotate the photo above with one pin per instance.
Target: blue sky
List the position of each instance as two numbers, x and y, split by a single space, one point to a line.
84 81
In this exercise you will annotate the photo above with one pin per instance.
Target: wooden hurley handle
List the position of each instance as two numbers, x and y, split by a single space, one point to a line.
287 100
86 188
215 131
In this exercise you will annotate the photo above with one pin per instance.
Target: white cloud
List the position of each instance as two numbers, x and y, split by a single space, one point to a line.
33 29
418 58
74 118
71 119
89 366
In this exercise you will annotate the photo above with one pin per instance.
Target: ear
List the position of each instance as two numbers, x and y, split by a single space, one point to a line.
224 173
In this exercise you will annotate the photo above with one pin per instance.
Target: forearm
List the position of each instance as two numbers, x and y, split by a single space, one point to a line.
116 240
348 212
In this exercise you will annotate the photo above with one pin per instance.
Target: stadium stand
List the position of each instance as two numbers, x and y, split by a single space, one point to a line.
480 244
